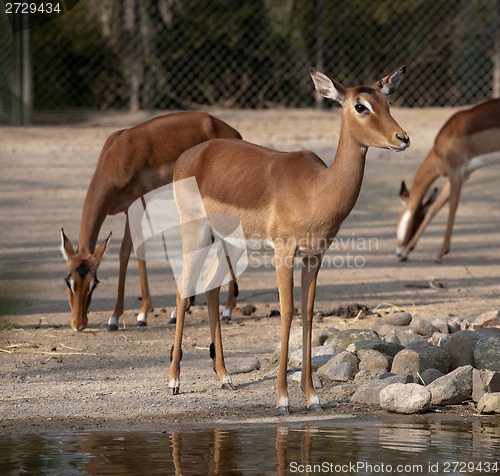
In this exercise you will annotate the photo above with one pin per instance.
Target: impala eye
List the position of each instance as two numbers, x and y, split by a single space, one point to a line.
360 108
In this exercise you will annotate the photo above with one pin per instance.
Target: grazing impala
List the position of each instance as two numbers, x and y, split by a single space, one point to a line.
468 141
132 162
288 200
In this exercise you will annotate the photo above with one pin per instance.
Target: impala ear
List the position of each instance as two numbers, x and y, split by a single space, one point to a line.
66 247
431 199
327 87
102 249
404 194
390 84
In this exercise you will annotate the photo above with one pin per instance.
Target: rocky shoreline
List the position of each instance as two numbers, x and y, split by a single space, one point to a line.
410 364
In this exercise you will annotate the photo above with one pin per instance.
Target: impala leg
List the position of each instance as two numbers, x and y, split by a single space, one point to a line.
125 251
454 197
284 273
310 268
176 351
281 449
173 316
216 352
146 296
175 444
232 291
441 199
232 294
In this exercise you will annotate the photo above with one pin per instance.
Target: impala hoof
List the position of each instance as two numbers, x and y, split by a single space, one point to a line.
315 407
173 320
173 390
142 323
112 327
228 386
403 258
283 410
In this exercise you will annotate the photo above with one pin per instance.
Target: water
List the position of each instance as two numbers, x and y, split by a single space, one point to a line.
343 447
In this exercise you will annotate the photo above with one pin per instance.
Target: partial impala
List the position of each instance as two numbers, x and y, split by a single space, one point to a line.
132 162
468 141
291 201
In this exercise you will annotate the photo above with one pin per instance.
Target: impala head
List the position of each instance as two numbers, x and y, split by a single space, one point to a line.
366 110
81 279
409 219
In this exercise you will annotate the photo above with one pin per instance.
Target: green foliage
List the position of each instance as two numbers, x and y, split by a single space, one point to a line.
75 64
255 53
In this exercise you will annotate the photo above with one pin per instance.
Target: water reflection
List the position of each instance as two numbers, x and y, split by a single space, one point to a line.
335 447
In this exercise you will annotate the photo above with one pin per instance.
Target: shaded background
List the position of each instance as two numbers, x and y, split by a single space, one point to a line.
185 54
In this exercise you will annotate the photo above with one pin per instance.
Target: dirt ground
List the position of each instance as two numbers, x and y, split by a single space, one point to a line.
53 378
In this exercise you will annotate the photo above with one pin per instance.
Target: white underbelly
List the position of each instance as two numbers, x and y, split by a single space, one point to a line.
479 162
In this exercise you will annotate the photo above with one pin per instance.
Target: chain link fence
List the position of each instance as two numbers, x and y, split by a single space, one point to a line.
188 54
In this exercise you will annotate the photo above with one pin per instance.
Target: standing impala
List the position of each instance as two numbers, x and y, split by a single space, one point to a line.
288 200
468 141
132 162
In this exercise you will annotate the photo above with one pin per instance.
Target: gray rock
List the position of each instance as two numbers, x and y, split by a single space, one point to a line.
422 326
297 376
488 319
437 357
294 356
460 347
428 376
489 332
244 366
403 337
369 393
409 361
454 324
487 354
344 356
342 392
339 372
484 381
405 398
456 387
342 339
318 337
489 403
319 356
400 318
384 329
438 338
370 359
465 324
441 323
388 348
364 376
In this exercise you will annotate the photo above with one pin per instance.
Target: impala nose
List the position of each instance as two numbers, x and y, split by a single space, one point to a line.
404 139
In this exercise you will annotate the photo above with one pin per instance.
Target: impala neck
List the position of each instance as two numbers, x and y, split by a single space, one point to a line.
425 176
93 214
345 175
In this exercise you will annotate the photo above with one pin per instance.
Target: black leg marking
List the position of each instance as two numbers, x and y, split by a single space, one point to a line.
172 352
212 351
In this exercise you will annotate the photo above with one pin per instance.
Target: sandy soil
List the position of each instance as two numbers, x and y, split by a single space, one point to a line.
53 377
